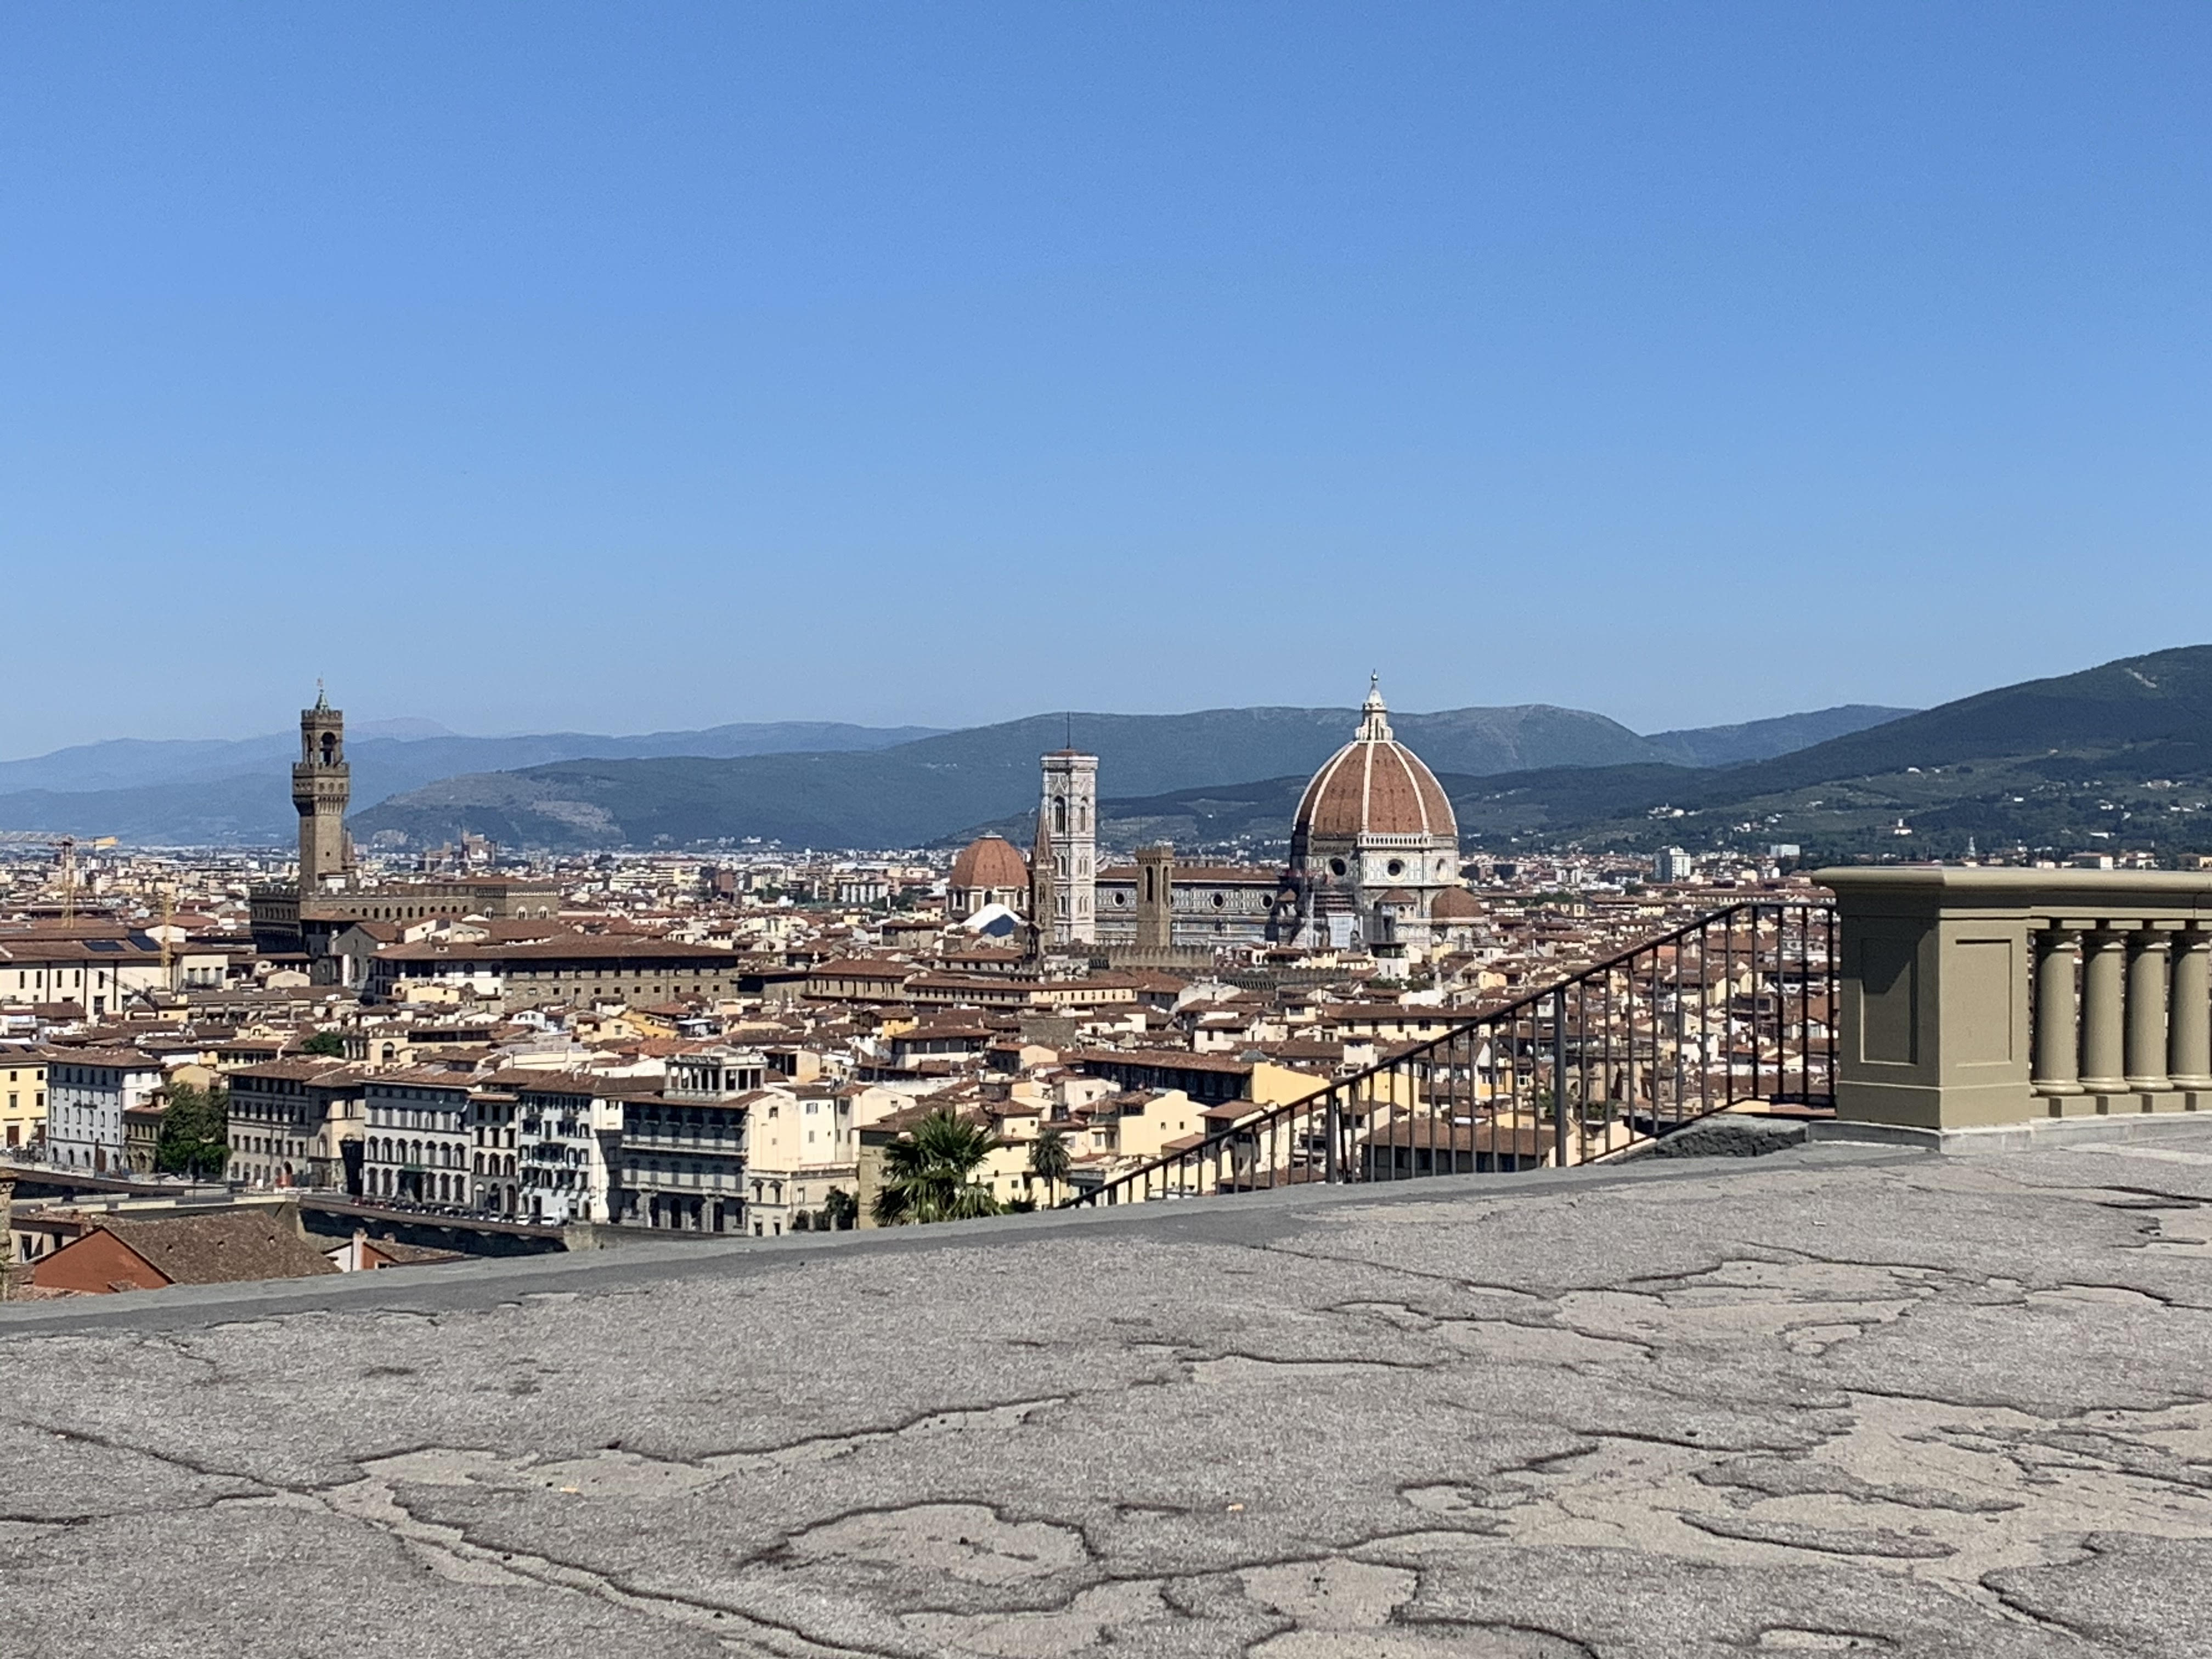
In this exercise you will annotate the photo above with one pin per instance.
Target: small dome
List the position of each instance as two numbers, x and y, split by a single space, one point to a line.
1455 904
990 864
1375 785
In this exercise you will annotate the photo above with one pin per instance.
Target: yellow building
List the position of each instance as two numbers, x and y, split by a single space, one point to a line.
800 1146
1142 1124
22 1101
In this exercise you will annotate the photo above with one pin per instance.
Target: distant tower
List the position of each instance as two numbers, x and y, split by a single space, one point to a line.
1070 807
322 783
1041 900
1156 898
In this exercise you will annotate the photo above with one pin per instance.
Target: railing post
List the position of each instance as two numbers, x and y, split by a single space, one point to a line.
2057 1032
2189 1014
2146 1038
1559 1077
1332 1118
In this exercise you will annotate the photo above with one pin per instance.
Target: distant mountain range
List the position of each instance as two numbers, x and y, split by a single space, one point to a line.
922 791
219 791
2117 755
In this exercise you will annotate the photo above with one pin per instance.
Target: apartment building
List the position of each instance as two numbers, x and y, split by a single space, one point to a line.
22 1101
297 1122
418 1136
801 1146
88 1091
682 1163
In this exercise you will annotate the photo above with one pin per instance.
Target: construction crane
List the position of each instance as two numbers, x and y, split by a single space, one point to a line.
67 846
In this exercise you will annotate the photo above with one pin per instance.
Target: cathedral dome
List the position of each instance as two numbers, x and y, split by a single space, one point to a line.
1455 904
989 864
1375 786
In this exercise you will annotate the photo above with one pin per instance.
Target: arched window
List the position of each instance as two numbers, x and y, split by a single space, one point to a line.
1060 815
330 748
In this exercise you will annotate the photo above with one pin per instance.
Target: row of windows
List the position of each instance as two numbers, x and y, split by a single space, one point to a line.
95 1076
381 1151
413 1117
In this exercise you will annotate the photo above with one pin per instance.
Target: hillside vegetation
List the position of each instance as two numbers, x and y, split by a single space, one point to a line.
2119 755
914 794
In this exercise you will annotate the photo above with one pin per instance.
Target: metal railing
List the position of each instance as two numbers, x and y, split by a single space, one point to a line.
1737 1006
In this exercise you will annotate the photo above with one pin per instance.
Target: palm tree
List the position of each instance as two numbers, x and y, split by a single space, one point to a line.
1049 1160
931 1175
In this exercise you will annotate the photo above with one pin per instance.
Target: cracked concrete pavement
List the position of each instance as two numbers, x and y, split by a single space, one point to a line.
1836 1400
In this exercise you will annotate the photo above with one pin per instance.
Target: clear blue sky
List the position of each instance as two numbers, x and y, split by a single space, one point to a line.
633 366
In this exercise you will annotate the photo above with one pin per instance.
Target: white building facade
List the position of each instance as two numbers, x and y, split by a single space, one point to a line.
417 1142
566 1127
87 1092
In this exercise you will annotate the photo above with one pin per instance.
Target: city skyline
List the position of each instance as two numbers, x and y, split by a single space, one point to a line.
1511 351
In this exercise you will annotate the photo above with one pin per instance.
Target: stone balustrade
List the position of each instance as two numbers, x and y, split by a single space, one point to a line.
1977 999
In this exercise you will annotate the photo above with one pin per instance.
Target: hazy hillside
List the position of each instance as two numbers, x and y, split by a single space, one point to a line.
1728 745
918 792
228 791
798 782
922 791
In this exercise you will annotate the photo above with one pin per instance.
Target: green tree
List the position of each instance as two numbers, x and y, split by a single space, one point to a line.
195 1139
1049 1161
840 1211
325 1042
931 1175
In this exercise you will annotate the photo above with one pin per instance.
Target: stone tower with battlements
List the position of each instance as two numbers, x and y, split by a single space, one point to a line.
322 783
1069 813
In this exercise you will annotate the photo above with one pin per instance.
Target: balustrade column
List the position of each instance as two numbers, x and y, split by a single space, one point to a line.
2104 996
2057 1032
2146 1042
2189 1017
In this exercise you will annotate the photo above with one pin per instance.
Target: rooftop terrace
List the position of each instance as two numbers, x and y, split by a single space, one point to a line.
1837 1399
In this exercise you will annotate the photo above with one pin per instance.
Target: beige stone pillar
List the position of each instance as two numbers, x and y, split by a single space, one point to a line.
2189 1017
2103 998
2057 1031
2146 1027
1959 1009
